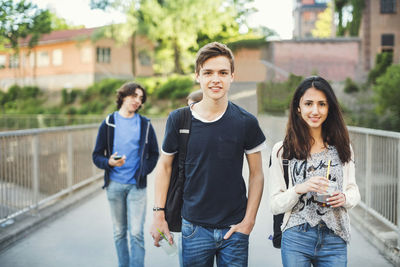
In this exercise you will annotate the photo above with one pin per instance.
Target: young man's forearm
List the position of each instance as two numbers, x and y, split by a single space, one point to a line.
163 176
256 187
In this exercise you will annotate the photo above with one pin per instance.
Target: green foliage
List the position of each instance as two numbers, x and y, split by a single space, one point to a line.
387 90
351 27
178 27
22 19
69 96
382 62
247 43
176 87
350 86
22 100
354 25
274 97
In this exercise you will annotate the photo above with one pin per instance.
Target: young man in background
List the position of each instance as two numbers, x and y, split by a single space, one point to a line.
126 148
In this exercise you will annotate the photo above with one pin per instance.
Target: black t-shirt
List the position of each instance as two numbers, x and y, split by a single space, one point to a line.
214 191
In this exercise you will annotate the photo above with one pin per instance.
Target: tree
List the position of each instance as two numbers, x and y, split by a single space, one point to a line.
178 26
19 20
387 92
339 5
353 25
323 26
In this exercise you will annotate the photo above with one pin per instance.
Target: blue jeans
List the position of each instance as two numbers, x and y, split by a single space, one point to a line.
128 206
200 245
304 245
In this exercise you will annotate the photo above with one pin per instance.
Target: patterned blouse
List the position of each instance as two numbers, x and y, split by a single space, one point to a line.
307 210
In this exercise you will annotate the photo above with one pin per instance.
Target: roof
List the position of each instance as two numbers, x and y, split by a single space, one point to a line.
62 36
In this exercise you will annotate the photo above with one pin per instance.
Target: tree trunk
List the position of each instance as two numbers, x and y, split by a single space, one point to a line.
133 54
177 58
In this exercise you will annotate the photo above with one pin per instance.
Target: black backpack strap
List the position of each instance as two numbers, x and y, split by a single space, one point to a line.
285 163
185 122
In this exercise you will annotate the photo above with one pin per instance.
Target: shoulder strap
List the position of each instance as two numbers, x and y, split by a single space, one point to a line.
285 163
185 121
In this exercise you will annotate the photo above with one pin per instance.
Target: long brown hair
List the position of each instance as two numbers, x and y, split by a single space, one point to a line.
298 140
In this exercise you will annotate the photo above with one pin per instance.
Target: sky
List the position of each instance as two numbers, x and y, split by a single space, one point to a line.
276 15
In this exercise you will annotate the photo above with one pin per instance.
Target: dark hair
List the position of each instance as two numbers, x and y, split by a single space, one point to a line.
195 96
298 140
129 89
212 50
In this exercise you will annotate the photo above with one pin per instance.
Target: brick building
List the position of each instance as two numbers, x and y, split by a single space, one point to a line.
71 59
305 14
335 59
380 30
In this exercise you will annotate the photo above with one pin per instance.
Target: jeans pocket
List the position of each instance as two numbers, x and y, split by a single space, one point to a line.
241 235
188 229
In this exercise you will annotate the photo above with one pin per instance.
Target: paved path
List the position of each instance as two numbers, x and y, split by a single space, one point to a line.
83 237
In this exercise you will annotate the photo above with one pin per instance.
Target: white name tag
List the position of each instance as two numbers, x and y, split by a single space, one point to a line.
186 131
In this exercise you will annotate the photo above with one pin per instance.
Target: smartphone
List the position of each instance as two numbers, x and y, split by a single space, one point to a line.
117 157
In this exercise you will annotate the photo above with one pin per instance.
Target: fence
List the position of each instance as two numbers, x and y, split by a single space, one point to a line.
377 156
38 166
18 122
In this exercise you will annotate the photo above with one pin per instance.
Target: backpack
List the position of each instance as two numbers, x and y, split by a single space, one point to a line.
174 201
278 219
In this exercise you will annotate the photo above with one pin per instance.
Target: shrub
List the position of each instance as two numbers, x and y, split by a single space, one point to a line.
350 86
382 62
387 91
176 87
275 96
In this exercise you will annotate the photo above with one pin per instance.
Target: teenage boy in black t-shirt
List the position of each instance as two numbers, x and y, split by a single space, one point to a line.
217 216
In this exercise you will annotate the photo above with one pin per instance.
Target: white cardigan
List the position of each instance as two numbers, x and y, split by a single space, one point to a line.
283 200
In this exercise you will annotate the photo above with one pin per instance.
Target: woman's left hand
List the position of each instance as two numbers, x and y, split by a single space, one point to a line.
337 199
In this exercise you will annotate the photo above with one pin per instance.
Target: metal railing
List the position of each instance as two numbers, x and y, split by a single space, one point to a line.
38 166
10 122
377 156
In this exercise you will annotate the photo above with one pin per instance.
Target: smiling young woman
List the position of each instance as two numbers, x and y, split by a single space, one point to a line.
317 146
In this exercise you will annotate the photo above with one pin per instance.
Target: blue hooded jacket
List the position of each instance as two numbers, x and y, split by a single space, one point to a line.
148 149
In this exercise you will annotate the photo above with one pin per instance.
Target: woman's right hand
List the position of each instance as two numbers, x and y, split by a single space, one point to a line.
317 184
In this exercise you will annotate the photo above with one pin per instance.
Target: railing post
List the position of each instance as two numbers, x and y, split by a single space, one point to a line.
70 162
368 158
398 193
35 169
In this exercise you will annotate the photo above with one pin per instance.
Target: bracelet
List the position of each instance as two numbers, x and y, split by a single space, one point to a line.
158 209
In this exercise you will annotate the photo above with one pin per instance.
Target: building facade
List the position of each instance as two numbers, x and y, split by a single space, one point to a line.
72 59
380 31
305 15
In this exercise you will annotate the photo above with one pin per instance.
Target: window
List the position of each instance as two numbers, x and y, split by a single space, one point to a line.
14 62
387 40
103 54
388 6
86 54
2 61
57 57
43 59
